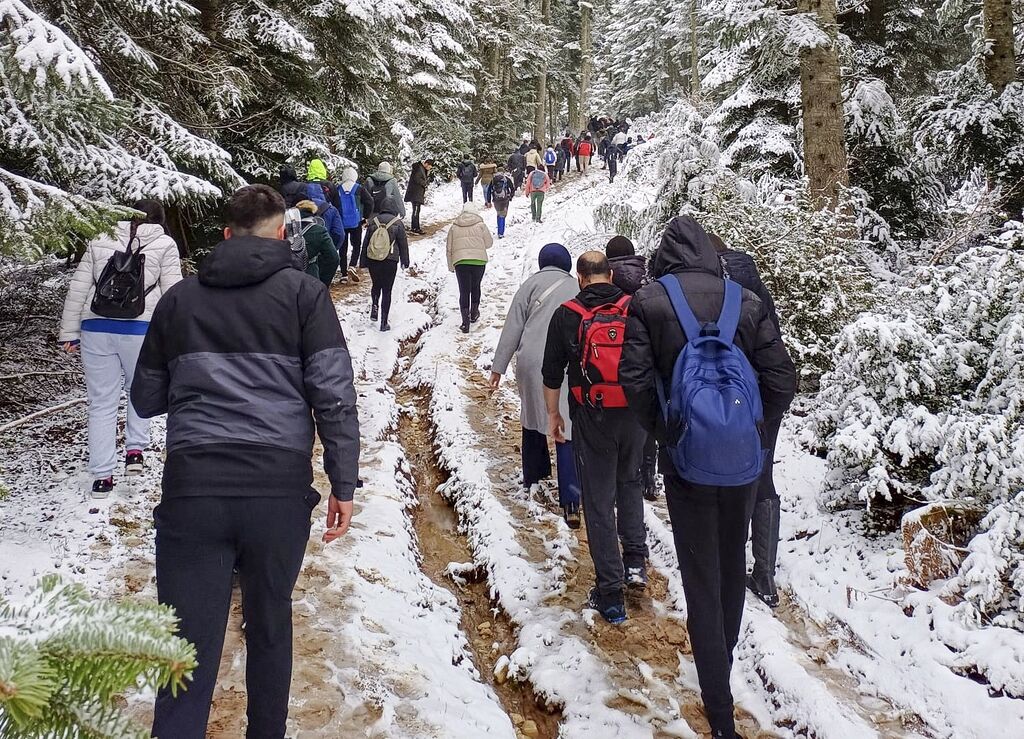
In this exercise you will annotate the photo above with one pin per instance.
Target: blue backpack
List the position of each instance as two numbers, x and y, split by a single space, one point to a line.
550 157
713 409
350 215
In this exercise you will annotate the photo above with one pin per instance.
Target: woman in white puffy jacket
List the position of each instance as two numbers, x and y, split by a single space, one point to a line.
468 241
110 346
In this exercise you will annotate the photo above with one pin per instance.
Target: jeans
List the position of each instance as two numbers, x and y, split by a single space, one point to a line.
416 216
710 525
199 540
467 191
109 362
608 446
355 237
537 205
537 466
382 281
487 193
469 277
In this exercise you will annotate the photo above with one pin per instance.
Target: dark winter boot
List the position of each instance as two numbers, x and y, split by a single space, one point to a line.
373 313
765 543
474 314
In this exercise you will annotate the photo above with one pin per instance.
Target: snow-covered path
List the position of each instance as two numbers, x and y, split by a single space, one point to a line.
386 645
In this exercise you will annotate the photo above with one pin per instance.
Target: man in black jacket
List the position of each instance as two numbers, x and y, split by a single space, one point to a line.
466 172
764 530
246 360
608 444
709 524
292 188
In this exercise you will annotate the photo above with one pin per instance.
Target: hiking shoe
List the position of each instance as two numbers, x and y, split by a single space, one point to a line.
650 492
636 578
474 315
373 313
464 328
343 280
385 326
571 514
501 236
612 612
769 599
101 488
353 274
133 463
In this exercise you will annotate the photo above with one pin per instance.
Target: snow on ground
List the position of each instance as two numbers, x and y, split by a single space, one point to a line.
379 646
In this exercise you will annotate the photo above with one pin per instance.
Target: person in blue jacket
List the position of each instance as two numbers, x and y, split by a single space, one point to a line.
356 206
332 222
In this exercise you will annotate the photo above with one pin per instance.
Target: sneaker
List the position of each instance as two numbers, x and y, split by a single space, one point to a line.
571 514
636 578
501 236
133 463
373 313
101 488
769 599
650 492
474 315
464 328
385 326
353 274
343 280
613 613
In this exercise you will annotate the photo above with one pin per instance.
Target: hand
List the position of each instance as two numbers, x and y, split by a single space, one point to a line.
556 427
494 382
71 347
339 516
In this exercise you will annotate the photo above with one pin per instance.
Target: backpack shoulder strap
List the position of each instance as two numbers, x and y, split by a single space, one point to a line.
729 318
579 309
376 222
393 221
689 322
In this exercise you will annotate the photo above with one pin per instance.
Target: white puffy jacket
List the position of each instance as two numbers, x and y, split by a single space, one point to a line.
163 269
468 238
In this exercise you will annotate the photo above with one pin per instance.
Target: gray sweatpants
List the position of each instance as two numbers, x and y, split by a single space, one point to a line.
109 361
609 447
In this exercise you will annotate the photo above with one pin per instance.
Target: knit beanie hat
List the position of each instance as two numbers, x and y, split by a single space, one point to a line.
385 167
619 246
555 255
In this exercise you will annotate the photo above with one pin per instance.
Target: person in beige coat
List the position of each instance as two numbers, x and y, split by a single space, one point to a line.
110 346
535 159
468 241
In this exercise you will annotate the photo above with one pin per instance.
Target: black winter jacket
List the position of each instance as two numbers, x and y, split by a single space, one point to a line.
292 189
562 348
740 267
399 239
248 360
416 190
629 272
654 337
466 172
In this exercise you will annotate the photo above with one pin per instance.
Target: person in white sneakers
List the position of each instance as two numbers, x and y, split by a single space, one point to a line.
106 315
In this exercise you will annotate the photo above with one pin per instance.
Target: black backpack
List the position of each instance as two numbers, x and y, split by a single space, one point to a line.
378 192
121 287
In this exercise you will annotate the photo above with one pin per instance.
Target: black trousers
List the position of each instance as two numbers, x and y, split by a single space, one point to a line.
469 276
609 445
382 281
649 463
710 527
416 216
199 540
766 485
467 191
353 236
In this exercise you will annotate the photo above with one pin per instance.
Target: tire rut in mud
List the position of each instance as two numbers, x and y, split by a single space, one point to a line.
488 630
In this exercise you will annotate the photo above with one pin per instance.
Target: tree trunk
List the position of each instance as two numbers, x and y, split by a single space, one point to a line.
541 96
574 110
586 65
694 51
1000 63
821 101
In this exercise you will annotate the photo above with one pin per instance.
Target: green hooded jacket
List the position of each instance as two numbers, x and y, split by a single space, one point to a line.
317 170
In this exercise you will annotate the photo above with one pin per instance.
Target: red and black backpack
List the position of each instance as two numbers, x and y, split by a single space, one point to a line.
602 332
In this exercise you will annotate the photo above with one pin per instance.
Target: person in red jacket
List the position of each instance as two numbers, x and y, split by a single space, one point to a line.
585 151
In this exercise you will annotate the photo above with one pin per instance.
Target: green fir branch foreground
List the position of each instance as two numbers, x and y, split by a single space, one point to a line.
64 657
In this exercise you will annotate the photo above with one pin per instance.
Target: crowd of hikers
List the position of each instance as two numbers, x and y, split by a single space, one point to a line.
630 368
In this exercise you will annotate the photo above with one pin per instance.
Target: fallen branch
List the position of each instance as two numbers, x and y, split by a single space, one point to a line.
40 414
22 375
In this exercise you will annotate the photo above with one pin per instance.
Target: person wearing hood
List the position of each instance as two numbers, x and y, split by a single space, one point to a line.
629 274
466 174
503 189
534 158
485 178
709 524
330 260
607 440
468 241
416 190
319 246
523 336
537 185
384 271
249 363
316 173
292 189
356 205
550 160
517 167
611 159
110 346
764 530
382 186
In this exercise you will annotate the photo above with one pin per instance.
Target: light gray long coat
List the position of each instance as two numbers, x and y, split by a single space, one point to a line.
524 336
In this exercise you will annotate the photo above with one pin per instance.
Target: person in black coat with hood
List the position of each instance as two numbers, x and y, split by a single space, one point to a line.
709 524
764 531
292 189
416 190
629 274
